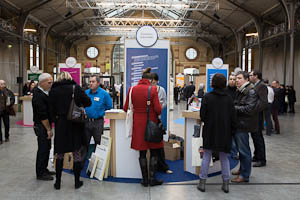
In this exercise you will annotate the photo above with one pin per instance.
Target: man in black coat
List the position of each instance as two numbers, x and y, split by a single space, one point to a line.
189 91
7 100
176 92
276 105
257 136
42 126
247 121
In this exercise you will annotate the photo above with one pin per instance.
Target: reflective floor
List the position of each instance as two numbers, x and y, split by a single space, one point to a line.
280 179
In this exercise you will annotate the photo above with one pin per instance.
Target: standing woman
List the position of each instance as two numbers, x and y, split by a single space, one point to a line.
69 136
139 97
218 114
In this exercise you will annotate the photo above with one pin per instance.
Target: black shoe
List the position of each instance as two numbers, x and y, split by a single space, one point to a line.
201 185
225 186
254 159
45 177
78 184
6 140
51 173
259 164
77 170
58 168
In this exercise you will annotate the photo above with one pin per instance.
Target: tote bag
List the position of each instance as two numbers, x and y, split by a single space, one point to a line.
129 117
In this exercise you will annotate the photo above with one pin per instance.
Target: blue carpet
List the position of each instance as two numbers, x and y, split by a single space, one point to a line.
179 121
179 175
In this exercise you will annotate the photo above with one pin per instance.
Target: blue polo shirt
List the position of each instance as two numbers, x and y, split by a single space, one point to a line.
101 101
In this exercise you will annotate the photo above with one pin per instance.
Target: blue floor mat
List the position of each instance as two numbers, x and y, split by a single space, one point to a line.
179 175
179 121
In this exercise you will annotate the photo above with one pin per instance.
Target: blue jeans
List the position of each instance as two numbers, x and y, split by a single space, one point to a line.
242 142
206 161
234 150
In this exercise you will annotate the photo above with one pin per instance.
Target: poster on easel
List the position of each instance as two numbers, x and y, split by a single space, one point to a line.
99 162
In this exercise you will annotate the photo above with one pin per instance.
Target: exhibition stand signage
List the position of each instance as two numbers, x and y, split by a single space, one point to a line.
217 66
73 68
138 57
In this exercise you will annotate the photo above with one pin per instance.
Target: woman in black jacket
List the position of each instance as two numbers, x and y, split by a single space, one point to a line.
69 136
218 114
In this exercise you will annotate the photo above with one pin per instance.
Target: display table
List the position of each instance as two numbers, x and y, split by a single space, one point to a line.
124 161
191 119
27 110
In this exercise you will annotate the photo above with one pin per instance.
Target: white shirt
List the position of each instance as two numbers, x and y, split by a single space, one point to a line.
162 96
270 94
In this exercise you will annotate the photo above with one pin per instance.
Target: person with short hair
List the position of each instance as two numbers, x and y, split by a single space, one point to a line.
201 90
247 121
218 114
291 99
268 110
69 136
276 105
7 100
258 139
42 126
101 101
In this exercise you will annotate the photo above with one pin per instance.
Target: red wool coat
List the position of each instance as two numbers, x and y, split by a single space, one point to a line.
139 98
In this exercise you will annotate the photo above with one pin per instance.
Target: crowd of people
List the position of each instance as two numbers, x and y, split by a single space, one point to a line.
230 113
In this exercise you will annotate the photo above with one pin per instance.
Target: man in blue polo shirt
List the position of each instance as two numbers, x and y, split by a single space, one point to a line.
101 101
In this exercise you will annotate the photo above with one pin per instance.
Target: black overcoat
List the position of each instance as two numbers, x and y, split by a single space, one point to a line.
69 136
218 114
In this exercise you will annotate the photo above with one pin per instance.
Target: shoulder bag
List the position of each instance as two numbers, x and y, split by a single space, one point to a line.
75 113
129 117
152 133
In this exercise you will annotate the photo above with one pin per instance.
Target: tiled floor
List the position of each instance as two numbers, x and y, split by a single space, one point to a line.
280 179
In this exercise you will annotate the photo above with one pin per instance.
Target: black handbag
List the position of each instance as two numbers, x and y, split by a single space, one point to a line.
153 133
75 113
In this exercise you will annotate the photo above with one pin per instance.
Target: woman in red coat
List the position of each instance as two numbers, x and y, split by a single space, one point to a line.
139 98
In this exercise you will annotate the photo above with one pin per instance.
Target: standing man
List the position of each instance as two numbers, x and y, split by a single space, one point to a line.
101 101
189 91
231 90
42 126
247 121
257 136
7 100
176 93
276 105
268 110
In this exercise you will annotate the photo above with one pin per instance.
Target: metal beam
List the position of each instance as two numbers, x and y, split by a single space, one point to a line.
34 7
254 15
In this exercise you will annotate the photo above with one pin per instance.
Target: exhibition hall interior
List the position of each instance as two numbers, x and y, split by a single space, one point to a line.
209 87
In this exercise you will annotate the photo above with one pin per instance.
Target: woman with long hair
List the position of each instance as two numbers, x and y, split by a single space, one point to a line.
69 136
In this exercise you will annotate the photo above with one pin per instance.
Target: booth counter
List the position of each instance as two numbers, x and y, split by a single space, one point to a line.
191 119
124 161
27 110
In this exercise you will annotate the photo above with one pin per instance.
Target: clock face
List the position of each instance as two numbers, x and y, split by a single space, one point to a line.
191 53
92 52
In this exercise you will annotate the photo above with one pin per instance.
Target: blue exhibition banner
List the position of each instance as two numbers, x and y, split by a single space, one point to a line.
211 73
138 59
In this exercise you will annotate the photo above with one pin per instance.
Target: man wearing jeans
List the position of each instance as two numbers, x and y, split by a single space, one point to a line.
247 121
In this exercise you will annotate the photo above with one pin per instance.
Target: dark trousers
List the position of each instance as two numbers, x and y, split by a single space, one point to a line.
162 166
258 141
267 113
292 107
95 129
275 119
5 118
153 153
44 146
176 99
